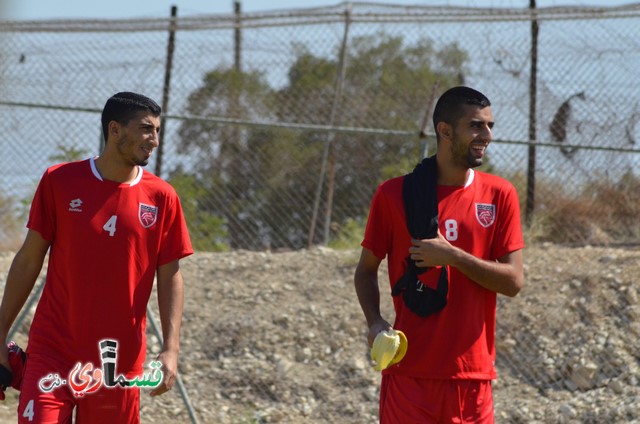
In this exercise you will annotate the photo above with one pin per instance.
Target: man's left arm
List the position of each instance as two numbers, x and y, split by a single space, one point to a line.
504 276
170 303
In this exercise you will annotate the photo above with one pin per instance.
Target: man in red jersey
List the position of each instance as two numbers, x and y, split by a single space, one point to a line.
476 246
109 227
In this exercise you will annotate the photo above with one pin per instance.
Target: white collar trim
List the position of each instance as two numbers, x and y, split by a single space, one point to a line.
472 175
96 174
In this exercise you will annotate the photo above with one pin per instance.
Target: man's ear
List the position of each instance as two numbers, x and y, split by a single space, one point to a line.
114 129
444 130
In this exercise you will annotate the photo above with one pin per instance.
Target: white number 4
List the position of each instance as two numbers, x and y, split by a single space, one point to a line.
28 411
110 225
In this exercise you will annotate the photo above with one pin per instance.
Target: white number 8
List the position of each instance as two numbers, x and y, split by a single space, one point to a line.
451 228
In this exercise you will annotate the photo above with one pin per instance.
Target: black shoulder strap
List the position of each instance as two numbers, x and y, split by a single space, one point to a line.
421 213
421 200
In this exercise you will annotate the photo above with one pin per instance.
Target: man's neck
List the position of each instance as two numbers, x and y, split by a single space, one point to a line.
451 175
114 170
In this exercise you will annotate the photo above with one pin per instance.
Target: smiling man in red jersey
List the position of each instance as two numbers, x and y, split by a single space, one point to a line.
110 228
453 241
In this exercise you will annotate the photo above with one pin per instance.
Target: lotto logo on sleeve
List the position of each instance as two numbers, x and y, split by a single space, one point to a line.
147 214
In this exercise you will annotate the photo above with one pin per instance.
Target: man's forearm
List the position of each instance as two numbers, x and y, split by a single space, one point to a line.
504 277
20 281
170 304
368 294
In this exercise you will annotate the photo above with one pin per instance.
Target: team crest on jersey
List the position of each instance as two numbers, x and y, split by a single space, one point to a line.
147 215
486 214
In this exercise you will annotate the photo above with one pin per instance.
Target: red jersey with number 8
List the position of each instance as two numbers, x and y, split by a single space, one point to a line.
482 218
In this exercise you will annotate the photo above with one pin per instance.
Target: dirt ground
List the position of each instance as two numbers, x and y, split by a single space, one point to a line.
279 338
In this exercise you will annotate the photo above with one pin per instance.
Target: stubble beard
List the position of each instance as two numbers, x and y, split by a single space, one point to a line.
141 162
472 161
464 157
122 149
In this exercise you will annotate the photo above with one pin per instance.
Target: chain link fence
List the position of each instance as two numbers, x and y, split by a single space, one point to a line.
278 126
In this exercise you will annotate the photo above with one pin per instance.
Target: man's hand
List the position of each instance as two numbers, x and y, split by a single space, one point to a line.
377 326
431 252
4 355
169 360
5 374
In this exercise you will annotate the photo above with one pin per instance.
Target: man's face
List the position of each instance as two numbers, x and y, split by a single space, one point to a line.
138 138
471 135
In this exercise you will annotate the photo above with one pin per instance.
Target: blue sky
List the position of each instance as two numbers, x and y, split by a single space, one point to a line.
115 9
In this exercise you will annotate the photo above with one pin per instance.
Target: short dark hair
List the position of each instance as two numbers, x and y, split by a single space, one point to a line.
124 106
449 107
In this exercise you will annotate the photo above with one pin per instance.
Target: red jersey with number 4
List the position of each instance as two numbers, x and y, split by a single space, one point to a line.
482 218
108 239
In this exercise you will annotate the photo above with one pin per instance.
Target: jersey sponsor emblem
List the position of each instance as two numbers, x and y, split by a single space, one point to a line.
75 205
147 214
486 214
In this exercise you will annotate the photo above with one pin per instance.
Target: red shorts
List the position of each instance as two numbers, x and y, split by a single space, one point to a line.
407 400
107 405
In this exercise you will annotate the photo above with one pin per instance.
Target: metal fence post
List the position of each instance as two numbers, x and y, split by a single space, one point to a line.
342 65
166 88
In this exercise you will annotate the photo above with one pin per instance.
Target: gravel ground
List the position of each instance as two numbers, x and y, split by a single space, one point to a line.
279 338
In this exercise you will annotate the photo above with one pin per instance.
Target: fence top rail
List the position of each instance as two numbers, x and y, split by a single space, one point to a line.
328 128
354 11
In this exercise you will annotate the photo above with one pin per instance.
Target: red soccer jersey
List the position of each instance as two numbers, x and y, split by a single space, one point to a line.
482 218
107 240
